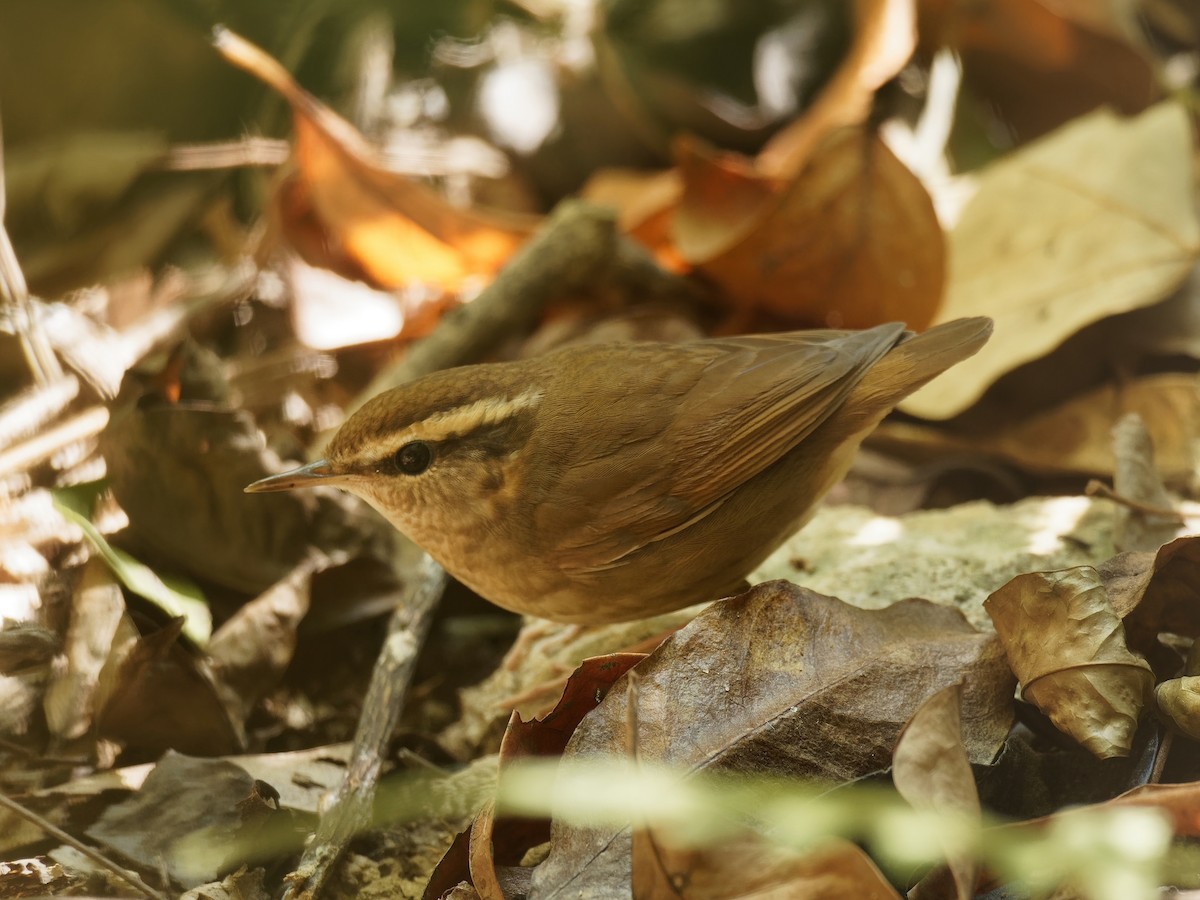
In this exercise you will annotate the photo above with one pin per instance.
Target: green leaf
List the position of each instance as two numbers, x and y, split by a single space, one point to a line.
175 595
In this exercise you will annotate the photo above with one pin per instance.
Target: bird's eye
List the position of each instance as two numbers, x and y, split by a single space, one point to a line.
414 458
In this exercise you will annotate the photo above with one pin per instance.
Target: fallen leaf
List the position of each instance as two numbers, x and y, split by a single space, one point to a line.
180 797
1136 478
850 241
157 695
931 771
753 867
489 843
1156 592
781 680
1092 220
1178 701
1035 67
1066 645
97 606
1075 436
395 229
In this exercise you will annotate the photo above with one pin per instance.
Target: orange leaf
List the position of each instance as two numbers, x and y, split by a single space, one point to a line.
396 229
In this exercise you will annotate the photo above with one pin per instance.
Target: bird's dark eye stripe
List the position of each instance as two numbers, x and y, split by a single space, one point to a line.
413 458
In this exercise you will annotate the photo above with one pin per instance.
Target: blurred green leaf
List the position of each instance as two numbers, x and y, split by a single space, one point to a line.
175 595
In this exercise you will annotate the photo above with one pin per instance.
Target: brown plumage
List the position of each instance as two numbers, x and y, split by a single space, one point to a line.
603 483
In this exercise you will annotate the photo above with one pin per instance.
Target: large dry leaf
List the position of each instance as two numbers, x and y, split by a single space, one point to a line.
931 771
781 680
1095 219
395 229
1075 436
1066 644
851 240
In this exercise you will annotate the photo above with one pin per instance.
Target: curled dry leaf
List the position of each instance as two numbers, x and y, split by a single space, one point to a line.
781 680
1095 219
387 227
1156 592
1066 644
1178 701
491 842
931 771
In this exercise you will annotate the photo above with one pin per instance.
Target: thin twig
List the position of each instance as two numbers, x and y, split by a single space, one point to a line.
1100 489
351 811
91 853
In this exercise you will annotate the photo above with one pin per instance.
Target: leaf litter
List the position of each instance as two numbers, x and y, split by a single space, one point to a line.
1080 244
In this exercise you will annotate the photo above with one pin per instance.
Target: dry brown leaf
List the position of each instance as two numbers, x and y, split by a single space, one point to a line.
1075 436
1136 478
395 229
180 797
781 680
1156 592
1066 644
753 867
1093 220
850 241
96 610
159 696
488 844
931 771
1038 69
1178 701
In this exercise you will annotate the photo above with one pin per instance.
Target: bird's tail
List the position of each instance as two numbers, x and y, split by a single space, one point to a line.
914 361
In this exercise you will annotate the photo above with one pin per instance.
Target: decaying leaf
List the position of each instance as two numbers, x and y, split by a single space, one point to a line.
1178 701
931 771
781 680
178 459
174 595
1095 219
1066 644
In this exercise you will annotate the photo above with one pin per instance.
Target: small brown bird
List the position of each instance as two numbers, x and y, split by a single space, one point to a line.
610 482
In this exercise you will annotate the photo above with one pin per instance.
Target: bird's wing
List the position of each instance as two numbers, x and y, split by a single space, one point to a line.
737 406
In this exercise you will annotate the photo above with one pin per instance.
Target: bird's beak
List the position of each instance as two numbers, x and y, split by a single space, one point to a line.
313 474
